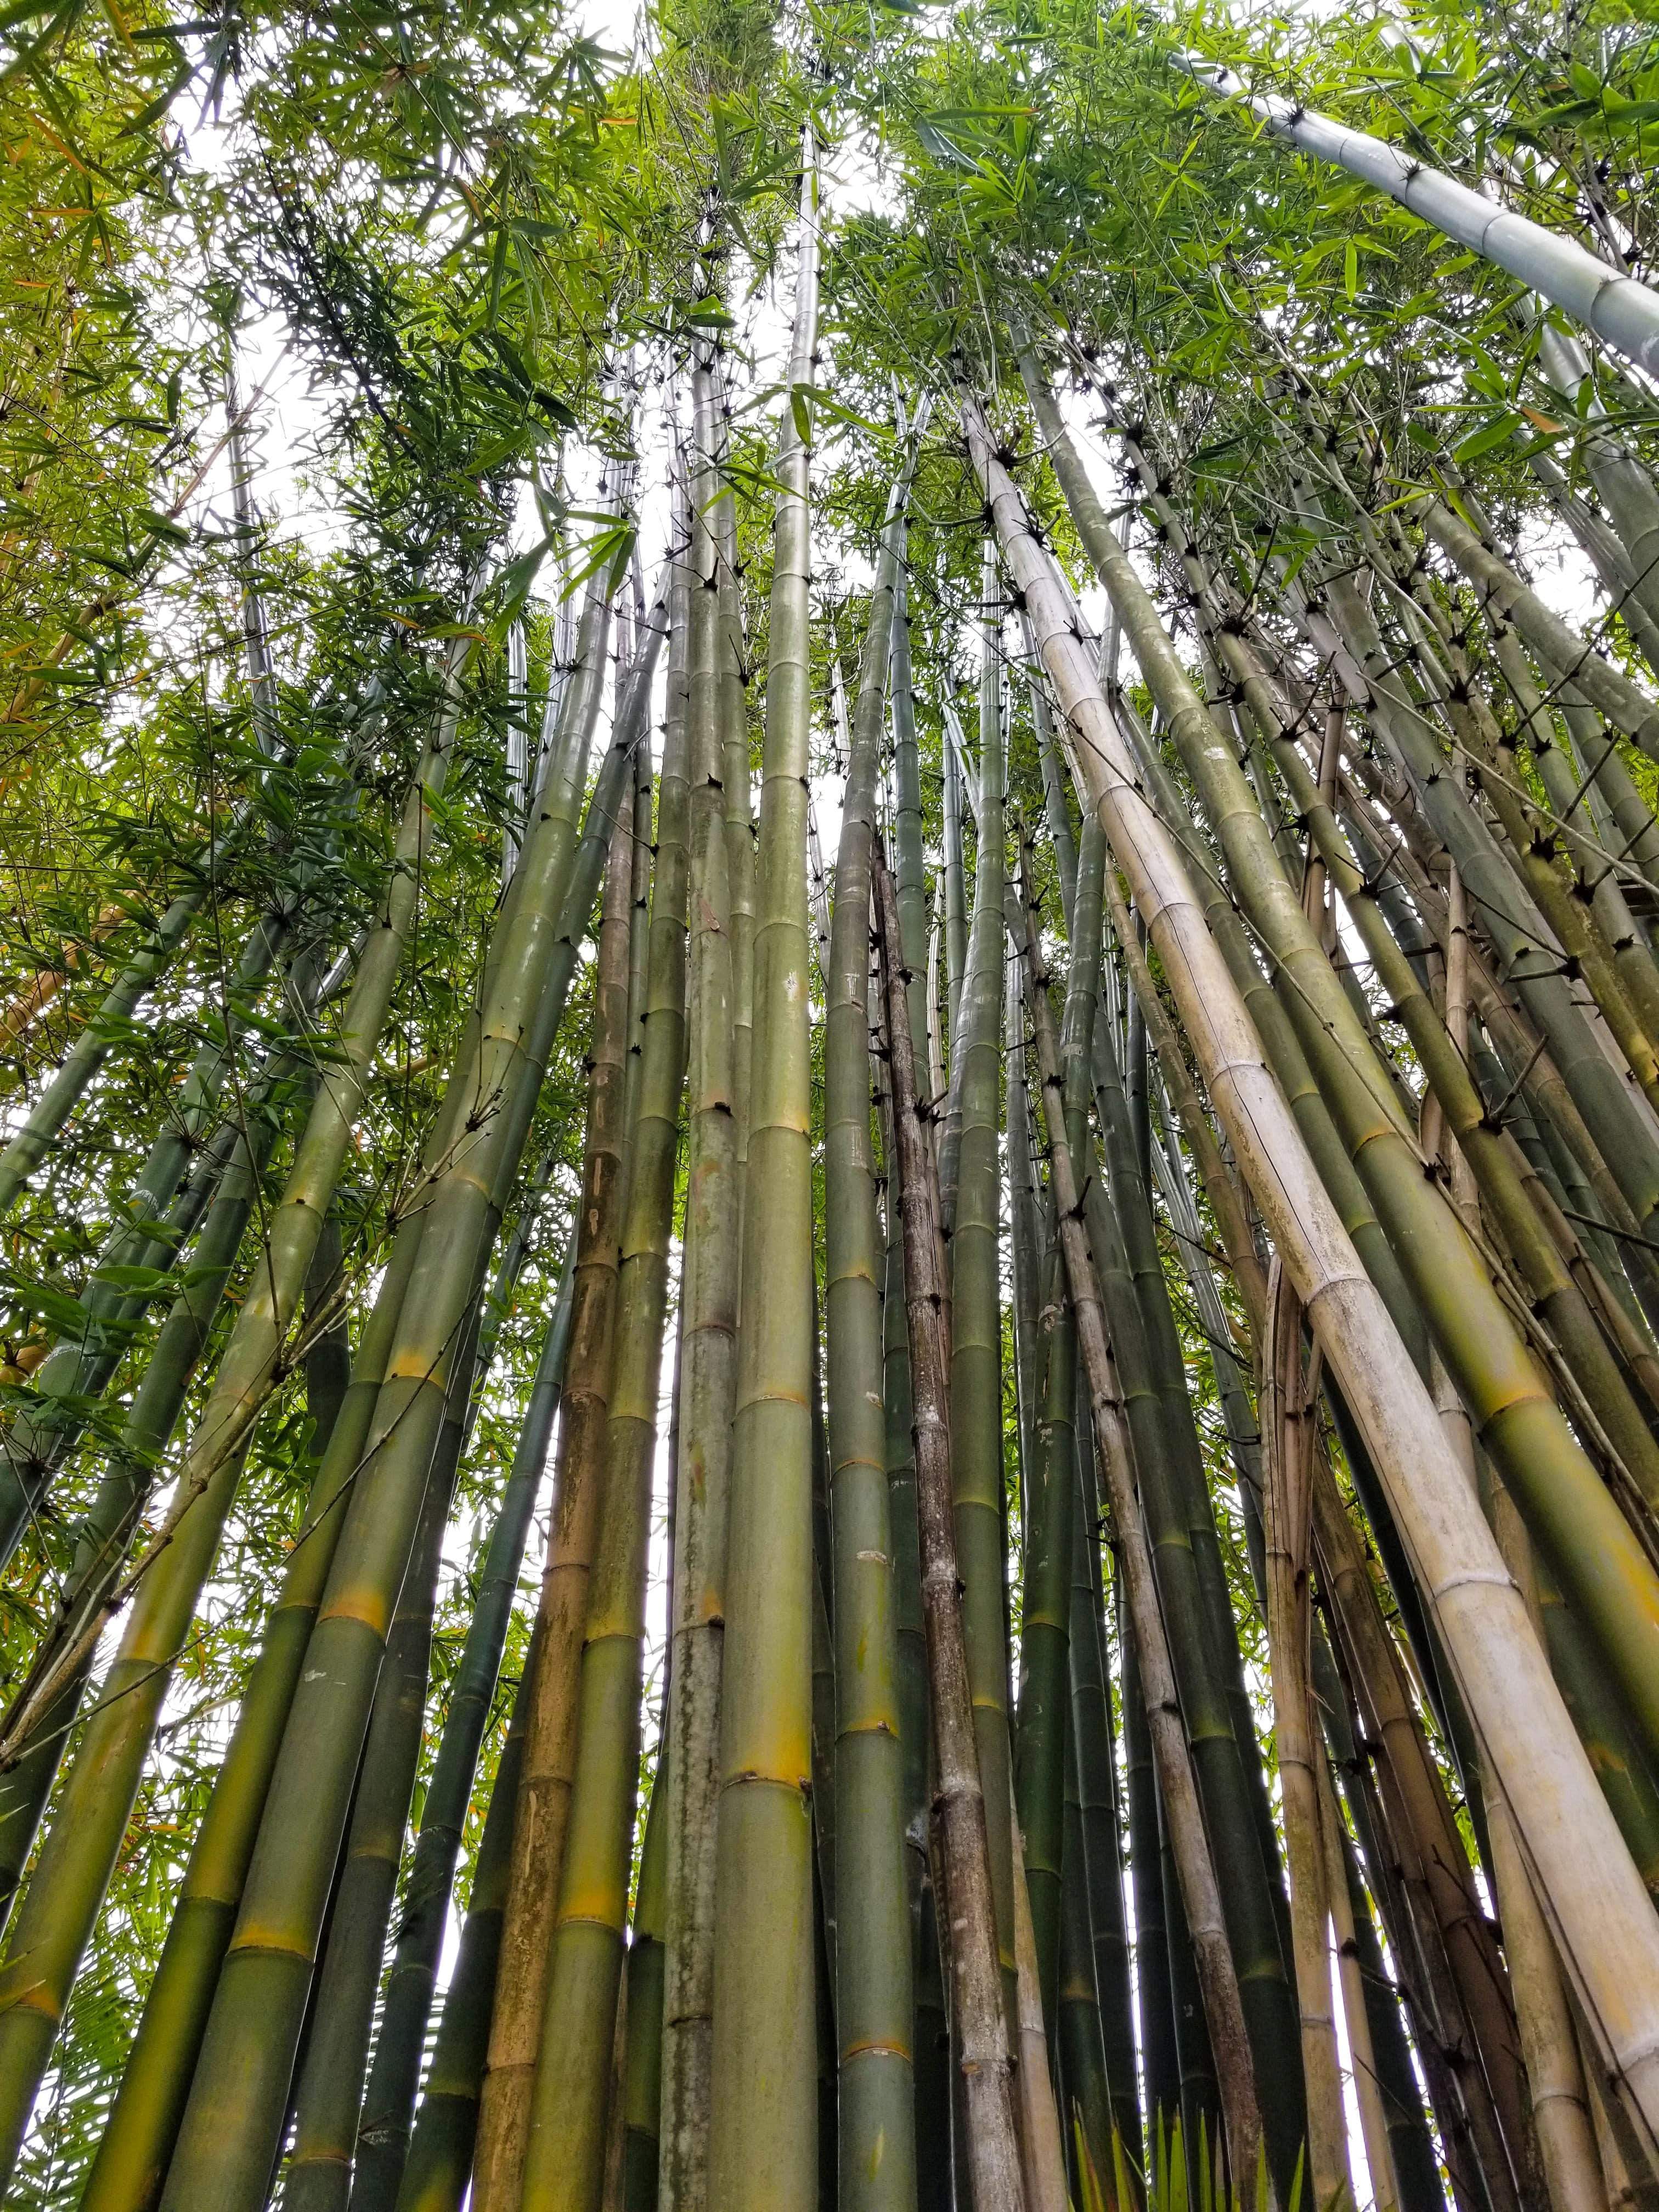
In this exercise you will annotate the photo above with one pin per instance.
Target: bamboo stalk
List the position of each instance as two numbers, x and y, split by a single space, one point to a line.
327 2094
580 1829
1200 1895
763 2147
1040 2139
439 2167
978 2011
1289 1442
974 1219
388 2106
1160 2060
641 2102
874 2004
1621 311
518 1986
709 1323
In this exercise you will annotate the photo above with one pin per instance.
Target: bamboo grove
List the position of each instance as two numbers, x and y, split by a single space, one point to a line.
829 1147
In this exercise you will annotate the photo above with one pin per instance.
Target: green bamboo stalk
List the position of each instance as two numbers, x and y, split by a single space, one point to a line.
709 1323
131 2164
910 868
1160 2062
874 2004
1045 1698
1211 1945
518 1985
733 773
440 2150
327 2094
594 1582
1187 1561
930 2043
763 2147
388 2105
247 2049
1087 2102
956 894
641 2112
1097 1796
563 2153
107 1531
1023 1242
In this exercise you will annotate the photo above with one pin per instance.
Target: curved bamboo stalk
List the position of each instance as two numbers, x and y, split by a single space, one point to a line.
763 2146
1622 312
1604 1924
978 2013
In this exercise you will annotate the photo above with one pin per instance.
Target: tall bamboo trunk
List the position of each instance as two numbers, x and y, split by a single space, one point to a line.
763 2146
580 1828
1289 1400
548 1699
874 2004
977 1303
979 2014
1200 1892
388 2108
709 1323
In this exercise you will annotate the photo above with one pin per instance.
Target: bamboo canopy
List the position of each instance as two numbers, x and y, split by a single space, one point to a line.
829 1109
